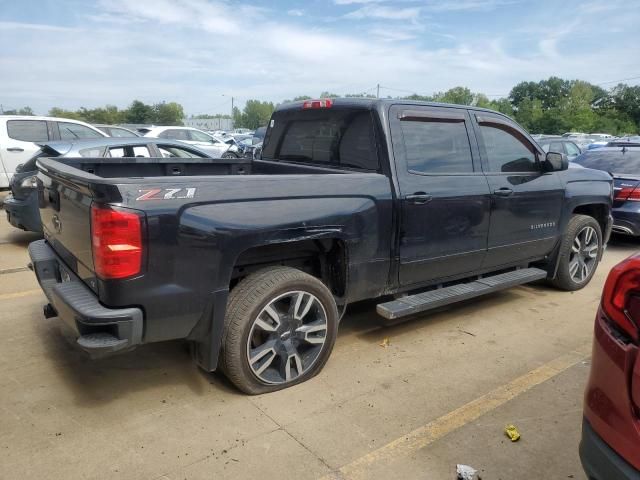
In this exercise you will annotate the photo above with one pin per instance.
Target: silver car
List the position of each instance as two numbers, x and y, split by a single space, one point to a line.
213 146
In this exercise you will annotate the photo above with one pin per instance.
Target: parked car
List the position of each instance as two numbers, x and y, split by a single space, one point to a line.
622 161
19 135
214 146
116 131
254 262
258 135
610 445
560 145
21 205
242 131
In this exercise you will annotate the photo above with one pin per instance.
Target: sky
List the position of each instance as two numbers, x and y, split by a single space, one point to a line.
200 53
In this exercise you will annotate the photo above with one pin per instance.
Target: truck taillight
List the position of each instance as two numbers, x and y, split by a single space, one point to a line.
322 103
116 241
621 296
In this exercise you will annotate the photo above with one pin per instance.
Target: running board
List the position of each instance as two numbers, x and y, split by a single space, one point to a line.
422 302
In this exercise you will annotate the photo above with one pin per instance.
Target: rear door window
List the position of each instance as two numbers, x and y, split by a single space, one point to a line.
28 130
199 136
175 134
436 145
71 131
330 137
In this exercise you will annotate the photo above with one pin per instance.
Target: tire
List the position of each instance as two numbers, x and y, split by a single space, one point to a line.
285 313
229 155
568 277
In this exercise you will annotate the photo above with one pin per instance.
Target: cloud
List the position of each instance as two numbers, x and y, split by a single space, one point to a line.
384 12
193 51
351 2
296 12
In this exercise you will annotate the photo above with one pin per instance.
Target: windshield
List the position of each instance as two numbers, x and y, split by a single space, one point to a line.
325 137
618 160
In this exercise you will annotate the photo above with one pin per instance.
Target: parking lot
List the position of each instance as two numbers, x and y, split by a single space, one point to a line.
409 401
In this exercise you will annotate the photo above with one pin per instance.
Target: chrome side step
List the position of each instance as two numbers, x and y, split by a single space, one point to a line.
423 302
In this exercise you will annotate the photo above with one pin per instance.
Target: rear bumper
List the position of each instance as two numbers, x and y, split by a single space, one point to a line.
24 213
626 219
600 461
100 331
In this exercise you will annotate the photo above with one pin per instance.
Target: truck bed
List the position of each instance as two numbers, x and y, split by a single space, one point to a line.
131 169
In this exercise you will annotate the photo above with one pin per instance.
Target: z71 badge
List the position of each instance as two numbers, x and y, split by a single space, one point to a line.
166 193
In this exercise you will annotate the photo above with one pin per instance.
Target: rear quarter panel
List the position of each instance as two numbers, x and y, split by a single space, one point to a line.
192 251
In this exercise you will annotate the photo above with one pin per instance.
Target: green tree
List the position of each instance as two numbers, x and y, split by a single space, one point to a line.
530 114
456 95
502 105
167 113
62 113
626 99
139 112
420 98
255 114
326 94
19 111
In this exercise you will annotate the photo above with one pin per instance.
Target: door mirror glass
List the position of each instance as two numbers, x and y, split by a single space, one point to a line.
556 162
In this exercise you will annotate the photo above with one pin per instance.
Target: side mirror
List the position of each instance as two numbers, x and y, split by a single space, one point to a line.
556 162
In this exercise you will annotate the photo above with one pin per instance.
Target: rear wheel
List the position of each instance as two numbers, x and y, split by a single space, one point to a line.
579 253
280 327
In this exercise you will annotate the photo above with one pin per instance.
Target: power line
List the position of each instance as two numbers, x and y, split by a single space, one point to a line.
621 80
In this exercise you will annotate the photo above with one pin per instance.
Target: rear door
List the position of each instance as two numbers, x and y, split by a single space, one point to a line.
444 194
17 145
635 383
526 202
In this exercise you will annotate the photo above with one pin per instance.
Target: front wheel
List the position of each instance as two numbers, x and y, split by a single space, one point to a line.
280 327
229 155
580 253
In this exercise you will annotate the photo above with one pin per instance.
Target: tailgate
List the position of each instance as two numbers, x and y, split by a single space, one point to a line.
65 211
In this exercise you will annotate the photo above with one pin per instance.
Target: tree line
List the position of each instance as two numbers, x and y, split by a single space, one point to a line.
551 106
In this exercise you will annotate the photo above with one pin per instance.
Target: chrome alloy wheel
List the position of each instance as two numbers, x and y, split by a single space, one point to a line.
286 337
584 254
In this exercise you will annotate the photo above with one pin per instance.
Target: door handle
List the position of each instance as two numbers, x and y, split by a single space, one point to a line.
15 149
503 192
418 198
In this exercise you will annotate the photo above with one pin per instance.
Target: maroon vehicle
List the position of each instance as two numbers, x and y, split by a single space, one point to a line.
610 446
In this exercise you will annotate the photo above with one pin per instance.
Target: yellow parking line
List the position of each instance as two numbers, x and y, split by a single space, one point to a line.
25 293
438 428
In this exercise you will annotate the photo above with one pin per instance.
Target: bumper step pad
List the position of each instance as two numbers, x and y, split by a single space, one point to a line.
423 302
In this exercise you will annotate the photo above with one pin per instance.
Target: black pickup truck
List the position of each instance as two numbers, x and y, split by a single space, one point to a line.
254 261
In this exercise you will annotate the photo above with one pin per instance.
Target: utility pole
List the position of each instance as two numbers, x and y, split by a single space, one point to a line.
378 91
232 125
1 110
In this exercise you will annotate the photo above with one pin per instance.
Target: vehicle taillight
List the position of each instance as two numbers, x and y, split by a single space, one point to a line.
116 241
628 193
322 103
620 299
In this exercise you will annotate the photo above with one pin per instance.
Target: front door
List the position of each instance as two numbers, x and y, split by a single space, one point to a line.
526 202
444 194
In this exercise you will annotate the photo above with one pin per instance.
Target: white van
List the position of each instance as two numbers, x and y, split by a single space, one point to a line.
19 135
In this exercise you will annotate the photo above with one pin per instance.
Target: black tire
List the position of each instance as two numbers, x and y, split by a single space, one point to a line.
229 155
246 302
564 279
